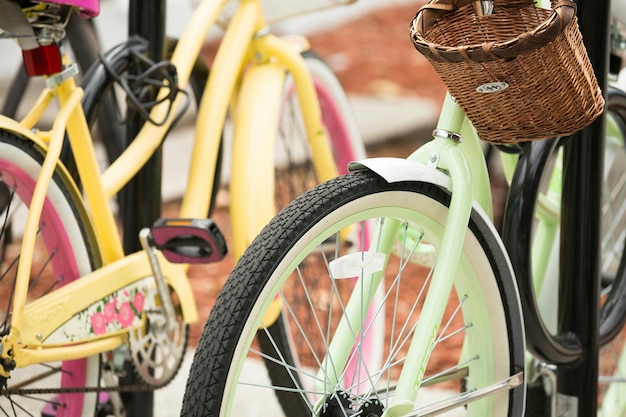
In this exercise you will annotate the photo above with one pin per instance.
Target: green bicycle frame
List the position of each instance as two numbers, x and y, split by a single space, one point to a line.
462 158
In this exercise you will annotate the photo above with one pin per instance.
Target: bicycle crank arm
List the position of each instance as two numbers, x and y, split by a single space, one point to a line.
180 241
447 405
164 294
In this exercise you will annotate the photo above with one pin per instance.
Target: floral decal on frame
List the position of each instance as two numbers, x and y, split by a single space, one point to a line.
119 311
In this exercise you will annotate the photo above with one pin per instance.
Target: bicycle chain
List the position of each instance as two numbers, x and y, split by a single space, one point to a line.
38 391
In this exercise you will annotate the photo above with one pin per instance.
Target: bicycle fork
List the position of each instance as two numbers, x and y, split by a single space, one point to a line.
427 329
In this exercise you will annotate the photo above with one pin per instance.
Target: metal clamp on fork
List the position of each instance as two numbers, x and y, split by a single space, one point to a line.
145 237
446 134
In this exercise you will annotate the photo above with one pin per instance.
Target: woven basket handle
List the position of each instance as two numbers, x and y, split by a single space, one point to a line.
563 13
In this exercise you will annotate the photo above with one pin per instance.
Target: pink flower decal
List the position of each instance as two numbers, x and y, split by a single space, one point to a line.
98 323
138 301
125 315
109 311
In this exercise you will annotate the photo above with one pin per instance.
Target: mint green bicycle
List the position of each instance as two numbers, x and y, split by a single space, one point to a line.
397 296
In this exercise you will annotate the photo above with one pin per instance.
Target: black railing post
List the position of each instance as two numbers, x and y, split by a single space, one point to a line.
580 232
142 197
140 201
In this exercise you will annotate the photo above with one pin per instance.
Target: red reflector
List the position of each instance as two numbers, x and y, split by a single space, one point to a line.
45 60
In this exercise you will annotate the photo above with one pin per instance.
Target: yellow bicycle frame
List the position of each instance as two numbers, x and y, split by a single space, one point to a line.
247 79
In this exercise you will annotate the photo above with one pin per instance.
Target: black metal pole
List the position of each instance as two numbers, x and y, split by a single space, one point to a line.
140 201
580 233
142 197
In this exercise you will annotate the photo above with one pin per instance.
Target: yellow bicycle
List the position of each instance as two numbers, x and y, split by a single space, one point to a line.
75 305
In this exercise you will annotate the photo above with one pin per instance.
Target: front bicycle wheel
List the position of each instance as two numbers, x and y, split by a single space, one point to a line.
64 252
300 269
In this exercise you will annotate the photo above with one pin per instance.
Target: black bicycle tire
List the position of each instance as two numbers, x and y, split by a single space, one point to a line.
551 348
64 185
72 197
613 312
209 371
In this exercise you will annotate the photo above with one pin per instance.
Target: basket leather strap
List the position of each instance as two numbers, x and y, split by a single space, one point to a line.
433 10
563 13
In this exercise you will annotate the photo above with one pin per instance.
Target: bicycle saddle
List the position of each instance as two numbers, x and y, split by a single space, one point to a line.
15 24
89 8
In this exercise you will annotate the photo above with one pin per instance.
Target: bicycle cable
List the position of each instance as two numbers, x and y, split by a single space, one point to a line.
38 391
140 87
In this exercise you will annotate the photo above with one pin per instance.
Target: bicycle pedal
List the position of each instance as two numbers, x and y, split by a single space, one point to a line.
189 240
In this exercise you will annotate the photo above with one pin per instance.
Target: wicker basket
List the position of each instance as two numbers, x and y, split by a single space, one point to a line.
520 73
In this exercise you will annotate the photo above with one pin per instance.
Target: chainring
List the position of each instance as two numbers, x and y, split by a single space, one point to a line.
157 352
